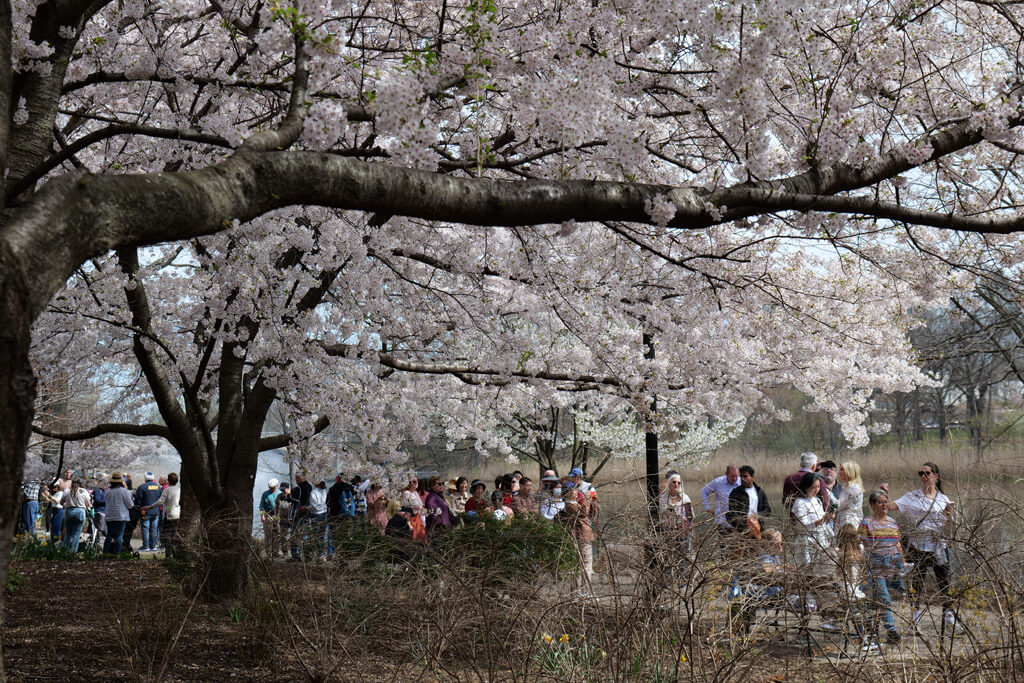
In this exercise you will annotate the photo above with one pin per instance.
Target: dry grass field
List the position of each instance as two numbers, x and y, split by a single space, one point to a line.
621 482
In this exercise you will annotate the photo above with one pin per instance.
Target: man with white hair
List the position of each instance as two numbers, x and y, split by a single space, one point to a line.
791 486
271 524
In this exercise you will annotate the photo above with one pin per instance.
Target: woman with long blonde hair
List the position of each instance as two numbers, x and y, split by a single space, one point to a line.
851 499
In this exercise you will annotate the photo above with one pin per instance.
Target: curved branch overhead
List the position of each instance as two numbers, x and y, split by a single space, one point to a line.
89 214
103 429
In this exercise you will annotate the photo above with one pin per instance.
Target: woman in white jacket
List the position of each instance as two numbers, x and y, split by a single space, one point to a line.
812 539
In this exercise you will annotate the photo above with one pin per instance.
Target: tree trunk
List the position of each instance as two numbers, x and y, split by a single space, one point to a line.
900 418
975 398
18 386
915 415
227 536
940 414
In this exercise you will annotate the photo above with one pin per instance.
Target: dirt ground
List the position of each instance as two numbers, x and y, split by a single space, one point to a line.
120 620
80 621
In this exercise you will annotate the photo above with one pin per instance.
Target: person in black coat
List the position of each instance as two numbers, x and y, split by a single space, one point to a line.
336 497
399 529
748 495
298 499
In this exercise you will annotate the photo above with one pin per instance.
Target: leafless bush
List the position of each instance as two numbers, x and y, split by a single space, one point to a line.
660 608
148 626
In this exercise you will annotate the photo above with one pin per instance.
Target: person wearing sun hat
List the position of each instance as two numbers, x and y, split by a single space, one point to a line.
587 494
551 495
478 503
458 494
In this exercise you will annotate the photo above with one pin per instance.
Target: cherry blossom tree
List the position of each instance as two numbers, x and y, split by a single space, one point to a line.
768 188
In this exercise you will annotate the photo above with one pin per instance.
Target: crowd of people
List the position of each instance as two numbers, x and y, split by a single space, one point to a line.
103 511
861 556
298 519
864 555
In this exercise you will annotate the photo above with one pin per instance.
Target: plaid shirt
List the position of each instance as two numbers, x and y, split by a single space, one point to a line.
30 489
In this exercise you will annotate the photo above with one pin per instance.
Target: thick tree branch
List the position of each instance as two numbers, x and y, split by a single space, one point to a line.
752 202
835 178
269 443
291 127
105 428
78 216
69 151
180 432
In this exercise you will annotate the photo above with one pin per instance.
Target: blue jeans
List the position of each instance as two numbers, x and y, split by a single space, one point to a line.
322 532
29 512
74 520
115 529
56 521
879 588
298 530
150 531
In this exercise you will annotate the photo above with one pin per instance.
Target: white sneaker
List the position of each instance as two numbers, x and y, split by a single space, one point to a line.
915 622
870 647
949 616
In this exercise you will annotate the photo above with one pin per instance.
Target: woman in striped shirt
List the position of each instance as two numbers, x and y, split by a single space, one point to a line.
881 537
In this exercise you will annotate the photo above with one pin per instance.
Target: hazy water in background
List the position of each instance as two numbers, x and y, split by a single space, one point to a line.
271 466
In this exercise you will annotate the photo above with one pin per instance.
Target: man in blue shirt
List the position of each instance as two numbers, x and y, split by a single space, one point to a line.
29 507
720 488
145 496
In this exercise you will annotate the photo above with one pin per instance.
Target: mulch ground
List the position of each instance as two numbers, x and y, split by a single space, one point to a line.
79 621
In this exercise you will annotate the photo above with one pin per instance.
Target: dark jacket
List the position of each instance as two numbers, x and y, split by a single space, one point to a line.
403 548
339 499
99 500
739 505
299 494
146 495
398 527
